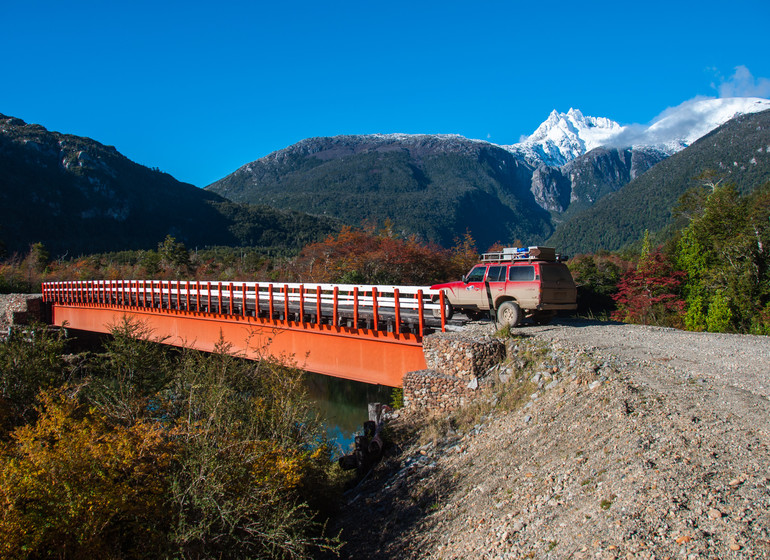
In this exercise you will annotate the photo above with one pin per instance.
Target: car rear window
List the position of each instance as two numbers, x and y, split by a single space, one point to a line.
521 273
554 273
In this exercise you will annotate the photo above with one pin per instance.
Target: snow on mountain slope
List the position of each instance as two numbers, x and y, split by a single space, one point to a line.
565 136
678 127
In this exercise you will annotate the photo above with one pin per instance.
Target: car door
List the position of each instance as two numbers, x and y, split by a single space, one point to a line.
556 284
474 293
523 285
496 276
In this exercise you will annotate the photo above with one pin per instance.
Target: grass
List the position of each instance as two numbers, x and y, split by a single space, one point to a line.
607 503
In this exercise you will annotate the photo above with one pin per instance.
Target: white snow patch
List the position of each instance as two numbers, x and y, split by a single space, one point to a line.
564 136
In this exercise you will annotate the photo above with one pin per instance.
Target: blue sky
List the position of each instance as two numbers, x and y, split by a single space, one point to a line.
201 88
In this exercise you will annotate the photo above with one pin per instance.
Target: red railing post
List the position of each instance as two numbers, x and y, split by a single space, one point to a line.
335 306
243 302
197 296
355 307
318 305
270 298
443 314
231 298
397 304
286 302
219 297
208 297
420 312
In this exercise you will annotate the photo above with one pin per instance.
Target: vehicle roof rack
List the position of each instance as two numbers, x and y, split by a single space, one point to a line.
509 254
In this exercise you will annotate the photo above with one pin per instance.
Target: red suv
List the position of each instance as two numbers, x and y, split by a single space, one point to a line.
518 283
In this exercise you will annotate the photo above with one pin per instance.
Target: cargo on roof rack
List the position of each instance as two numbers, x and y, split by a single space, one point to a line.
522 254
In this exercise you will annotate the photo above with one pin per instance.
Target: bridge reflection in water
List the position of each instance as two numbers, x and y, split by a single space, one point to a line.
371 334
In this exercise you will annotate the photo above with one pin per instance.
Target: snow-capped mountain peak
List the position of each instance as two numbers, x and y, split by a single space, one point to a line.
563 137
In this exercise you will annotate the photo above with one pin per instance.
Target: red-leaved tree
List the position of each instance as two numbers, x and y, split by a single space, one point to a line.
649 294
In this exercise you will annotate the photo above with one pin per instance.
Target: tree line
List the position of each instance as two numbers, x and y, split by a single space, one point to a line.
711 274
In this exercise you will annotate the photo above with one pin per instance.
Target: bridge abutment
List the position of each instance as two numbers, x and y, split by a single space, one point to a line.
456 366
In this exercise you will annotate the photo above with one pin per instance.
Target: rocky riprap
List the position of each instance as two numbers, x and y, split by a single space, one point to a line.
583 447
456 366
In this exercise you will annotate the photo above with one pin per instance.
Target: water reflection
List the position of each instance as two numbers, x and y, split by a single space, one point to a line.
343 403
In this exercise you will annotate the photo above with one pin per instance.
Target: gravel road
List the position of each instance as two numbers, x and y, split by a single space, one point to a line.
625 442
741 361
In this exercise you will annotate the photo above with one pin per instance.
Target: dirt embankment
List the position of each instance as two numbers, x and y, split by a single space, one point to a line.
598 441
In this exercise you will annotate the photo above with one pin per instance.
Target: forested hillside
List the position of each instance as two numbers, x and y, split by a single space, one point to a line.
435 187
78 196
738 152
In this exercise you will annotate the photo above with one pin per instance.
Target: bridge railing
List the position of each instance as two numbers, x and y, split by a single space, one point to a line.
393 308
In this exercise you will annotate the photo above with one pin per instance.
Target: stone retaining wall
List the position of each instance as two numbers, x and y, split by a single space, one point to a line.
20 309
456 365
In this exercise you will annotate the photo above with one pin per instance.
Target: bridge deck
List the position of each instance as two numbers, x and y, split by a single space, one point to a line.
366 333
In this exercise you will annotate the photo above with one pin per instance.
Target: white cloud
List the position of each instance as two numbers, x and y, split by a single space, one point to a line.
743 84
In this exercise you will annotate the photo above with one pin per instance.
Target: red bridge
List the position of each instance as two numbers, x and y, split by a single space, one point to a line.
365 333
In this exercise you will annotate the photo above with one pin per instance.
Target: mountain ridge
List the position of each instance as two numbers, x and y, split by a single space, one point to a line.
76 195
738 152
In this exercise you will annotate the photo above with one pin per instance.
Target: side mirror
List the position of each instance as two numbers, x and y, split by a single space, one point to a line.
465 279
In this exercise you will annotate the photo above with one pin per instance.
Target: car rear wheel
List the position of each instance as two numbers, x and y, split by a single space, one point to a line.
448 311
509 314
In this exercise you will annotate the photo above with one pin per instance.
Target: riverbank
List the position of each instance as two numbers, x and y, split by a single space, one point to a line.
589 444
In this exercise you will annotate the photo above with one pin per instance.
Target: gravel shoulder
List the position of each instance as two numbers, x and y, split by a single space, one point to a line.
741 361
597 441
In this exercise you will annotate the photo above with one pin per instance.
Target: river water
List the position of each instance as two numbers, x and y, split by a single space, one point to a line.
344 405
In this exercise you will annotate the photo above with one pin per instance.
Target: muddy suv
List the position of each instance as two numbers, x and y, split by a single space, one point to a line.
517 284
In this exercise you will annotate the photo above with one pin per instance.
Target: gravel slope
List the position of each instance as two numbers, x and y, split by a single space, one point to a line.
627 442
